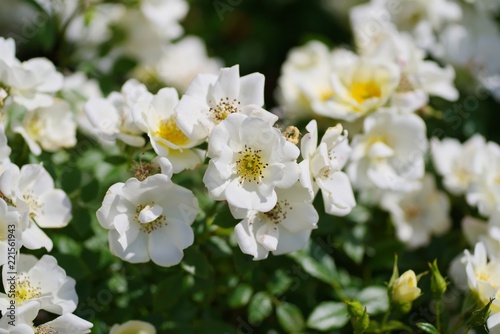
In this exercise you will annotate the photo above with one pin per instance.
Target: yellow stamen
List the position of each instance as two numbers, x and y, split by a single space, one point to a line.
169 131
362 91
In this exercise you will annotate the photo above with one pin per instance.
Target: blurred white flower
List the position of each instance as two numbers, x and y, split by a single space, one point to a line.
183 60
305 79
419 214
112 117
32 83
210 99
155 115
76 91
5 150
284 229
40 280
322 168
476 230
457 163
165 15
484 191
486 5
31 191
249 159
3 95
149 26
10 231
149 220
390 153
133 326
52 128
420 78
483 276
92 30
473 45
421 18
360 85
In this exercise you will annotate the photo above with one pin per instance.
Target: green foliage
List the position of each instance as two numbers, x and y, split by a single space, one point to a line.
216 288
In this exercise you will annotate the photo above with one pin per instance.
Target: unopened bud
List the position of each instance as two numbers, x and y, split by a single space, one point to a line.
438 283
405 288
354 308
359 316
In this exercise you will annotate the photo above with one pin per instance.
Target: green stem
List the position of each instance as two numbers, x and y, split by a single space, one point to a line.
338 290
438 315
386 316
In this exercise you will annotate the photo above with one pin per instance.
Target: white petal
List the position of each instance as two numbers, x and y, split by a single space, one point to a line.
136 252
267 235
252 89
162 250
292 241
248 197
55 211
227 84
148 214
247 242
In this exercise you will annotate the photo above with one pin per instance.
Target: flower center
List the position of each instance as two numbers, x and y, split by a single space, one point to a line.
224 108
34 126
279 212
362 91
6 199
405 85
149 217
326 94
3 96
33 204
24 290
249 165
169 131
44 329
411 212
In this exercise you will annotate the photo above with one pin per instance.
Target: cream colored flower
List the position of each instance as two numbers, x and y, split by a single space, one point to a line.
360 85
133 327
405 288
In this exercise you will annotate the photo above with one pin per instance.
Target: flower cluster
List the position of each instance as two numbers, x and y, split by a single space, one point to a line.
187 153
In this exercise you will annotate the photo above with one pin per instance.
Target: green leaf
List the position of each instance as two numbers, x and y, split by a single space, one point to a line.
427 327
354 251
260 308
213 326
81 221
219 246
90 191
394 325
327 316
116 160
375 299
66 245
290 317
196 263
74 265
224 218
240 296
279 283
317 263
170 286
71 180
